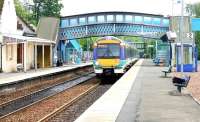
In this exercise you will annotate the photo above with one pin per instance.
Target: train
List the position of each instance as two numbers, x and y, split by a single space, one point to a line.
112 55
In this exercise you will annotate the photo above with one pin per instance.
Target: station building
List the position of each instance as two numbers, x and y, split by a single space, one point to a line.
19 46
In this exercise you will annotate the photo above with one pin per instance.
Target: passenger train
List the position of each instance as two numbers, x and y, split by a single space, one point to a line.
113 55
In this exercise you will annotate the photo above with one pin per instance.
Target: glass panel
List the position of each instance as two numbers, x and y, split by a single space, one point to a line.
129 18
100 18
91 19
187 55
82 20
156 21
64 23
147 20
165 22
73 22
119 18
110 18
138 19
109 50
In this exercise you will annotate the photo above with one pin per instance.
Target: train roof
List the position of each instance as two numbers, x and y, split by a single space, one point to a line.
109 38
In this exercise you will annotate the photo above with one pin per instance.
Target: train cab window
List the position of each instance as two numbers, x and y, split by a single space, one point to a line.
108 51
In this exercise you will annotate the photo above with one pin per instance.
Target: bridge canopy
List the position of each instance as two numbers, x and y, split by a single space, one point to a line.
113 23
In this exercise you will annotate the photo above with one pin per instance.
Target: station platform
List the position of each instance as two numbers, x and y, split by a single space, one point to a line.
143 95
9 78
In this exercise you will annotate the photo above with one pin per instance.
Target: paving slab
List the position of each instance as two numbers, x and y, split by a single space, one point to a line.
9 78
157 102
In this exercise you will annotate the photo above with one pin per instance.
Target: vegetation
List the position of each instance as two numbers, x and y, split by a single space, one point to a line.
194 10
40 8
46 8
23 13
1 5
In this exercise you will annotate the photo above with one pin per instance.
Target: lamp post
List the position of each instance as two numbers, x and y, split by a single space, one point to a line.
181 34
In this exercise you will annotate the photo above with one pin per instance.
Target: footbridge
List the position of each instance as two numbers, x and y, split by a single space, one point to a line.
113 23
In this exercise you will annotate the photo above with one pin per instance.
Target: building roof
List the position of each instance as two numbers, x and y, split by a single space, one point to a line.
18 38
1 5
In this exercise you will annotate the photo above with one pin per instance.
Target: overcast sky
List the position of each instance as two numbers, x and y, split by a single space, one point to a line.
164 7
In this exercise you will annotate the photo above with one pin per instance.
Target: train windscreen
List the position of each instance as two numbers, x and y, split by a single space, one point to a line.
108 51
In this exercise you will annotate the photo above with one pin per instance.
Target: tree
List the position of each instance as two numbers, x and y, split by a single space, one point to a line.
194 10
46 8
23 13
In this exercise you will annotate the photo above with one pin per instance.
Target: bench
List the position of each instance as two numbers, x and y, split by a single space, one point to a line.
181 82
20 67
169 70
156 61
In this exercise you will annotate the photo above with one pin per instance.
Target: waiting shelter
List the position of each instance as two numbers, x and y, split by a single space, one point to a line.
25 52
190 55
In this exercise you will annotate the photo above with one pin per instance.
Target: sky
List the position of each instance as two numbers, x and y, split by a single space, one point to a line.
163 7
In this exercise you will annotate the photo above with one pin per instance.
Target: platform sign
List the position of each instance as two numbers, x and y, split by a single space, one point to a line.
195 24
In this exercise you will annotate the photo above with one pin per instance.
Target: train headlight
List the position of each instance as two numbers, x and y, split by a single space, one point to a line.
97 63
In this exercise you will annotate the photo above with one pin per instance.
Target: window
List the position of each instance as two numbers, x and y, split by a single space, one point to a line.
108 51
147 20
9 52
138 19
156 21
119 18
129 18
91 19
110 18
165 22
100 19
73 22
19 26
82 21
64 23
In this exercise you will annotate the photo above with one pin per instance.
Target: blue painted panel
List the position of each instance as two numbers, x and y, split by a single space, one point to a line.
195 23
186 68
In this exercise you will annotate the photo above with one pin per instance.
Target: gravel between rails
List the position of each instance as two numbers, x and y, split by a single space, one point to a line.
30 88
74 111
42 108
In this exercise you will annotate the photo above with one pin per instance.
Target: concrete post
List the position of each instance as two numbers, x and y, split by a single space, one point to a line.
25 49
43 56
35 46
51 56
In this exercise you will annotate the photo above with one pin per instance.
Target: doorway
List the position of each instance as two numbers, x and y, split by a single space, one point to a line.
47 57
39 56
20 55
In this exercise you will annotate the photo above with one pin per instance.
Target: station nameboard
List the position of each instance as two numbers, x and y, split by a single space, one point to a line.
195 24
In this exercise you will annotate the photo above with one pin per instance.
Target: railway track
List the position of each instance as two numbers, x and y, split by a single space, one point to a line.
71 112
35 85
24 102
66 105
